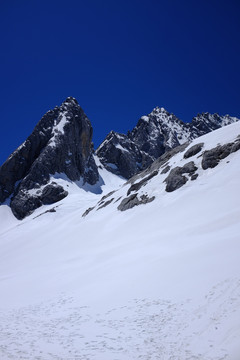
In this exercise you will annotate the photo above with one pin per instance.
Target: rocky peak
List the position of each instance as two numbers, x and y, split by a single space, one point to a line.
155 134
159 110
70 100
61 143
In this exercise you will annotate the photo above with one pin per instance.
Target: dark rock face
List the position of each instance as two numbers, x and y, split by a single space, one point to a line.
176 179
24 204
133 200
154 135
60 143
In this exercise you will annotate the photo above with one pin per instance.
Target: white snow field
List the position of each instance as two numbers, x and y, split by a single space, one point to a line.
159 281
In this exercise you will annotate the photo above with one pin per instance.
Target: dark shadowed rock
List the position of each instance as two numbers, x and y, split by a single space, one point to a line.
53 193
24 204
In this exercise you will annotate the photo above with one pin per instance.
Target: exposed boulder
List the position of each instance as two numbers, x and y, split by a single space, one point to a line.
53 193
212 157
176 179
195 149
24 204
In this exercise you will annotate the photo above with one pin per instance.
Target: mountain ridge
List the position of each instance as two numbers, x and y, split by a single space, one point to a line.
61 143
154 134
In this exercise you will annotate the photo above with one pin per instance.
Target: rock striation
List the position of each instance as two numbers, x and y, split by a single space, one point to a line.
154 134
61 143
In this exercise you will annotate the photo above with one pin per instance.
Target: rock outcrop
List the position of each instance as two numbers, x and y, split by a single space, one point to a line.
176 178
61 143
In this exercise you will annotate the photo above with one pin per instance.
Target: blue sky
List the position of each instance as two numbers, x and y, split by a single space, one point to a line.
119 59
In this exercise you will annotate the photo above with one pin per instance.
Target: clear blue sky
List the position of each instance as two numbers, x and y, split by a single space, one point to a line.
120 59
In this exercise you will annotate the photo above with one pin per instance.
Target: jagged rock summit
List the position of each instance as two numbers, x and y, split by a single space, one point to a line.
61 143
154 134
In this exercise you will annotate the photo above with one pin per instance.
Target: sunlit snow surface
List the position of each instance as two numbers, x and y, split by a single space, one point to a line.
159 281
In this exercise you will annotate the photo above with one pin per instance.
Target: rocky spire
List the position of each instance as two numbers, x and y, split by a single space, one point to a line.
60 143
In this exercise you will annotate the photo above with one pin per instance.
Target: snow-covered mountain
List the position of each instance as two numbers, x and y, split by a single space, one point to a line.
61 146
153 135
141 269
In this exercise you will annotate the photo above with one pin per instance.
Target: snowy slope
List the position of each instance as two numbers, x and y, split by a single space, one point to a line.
157 281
